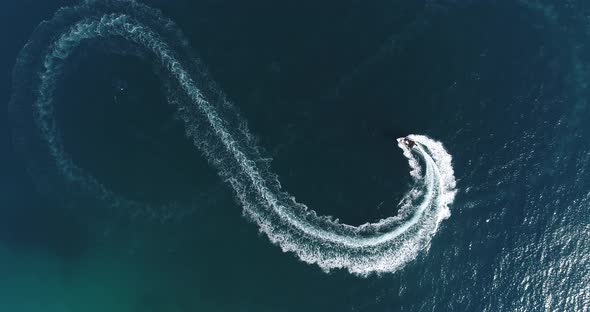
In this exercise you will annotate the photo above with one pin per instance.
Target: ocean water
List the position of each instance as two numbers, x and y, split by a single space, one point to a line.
325 89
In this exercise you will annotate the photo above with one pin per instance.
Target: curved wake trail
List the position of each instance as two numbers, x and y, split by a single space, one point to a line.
217 129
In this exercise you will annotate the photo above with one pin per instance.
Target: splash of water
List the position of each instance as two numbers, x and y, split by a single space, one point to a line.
218 130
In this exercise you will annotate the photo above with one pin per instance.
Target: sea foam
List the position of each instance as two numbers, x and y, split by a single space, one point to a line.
215 126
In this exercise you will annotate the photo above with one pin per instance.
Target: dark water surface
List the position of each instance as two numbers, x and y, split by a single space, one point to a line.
326 87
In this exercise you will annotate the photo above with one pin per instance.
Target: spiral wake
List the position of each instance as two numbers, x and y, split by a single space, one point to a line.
217 129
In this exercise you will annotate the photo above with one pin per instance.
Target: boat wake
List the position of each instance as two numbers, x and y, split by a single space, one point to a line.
217 129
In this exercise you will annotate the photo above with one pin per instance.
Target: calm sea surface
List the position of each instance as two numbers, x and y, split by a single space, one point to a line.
326 87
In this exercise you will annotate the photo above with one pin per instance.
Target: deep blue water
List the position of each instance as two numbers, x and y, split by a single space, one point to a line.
326 88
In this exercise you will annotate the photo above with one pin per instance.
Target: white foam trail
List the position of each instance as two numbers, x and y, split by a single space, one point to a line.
217 129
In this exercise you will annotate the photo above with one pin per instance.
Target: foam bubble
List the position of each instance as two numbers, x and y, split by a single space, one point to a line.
217 129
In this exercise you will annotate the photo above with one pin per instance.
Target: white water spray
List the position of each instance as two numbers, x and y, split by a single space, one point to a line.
217 129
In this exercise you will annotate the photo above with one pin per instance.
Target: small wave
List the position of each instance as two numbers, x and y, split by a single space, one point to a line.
217 129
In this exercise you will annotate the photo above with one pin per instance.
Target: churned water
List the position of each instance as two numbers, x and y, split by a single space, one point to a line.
296 156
